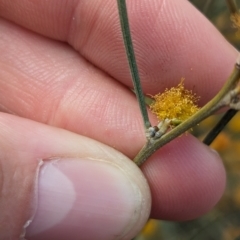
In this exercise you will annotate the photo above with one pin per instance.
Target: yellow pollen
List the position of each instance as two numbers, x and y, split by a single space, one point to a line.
235 18
175 103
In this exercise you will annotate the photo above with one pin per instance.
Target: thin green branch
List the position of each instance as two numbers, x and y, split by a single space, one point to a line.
232 6
220 126
224 97
132 61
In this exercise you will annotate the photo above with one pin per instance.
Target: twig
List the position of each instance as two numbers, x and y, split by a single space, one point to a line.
220 126
232 6
228 96
132 61
225 97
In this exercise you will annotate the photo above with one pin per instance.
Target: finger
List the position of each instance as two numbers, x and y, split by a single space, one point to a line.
171 39
186 178
211 74
48 82
59 185
128 138
181 188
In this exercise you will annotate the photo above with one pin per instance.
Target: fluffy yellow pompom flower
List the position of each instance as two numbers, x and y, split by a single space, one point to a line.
235 18
176 104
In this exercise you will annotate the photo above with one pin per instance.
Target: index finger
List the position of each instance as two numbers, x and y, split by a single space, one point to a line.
171 39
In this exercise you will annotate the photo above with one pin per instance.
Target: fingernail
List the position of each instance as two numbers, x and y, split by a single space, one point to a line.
85 199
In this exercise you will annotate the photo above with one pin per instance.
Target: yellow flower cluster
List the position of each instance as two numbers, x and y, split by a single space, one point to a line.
235 18
176 103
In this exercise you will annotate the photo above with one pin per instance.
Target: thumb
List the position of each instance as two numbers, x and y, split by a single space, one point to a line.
58 185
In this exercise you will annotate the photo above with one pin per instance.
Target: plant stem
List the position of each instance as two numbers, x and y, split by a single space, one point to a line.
219 127
232 6
132 61
217 102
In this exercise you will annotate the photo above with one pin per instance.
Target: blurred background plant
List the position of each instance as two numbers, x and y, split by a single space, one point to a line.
223 222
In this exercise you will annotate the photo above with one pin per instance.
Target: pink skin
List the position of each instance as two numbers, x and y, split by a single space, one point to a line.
84 188
81 87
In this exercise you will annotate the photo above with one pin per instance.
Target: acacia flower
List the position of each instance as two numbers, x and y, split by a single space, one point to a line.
176 104
235 18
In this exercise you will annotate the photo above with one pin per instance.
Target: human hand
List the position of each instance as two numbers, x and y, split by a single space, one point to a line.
78 188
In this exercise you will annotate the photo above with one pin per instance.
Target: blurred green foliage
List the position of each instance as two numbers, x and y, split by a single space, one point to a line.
218 13
210 8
